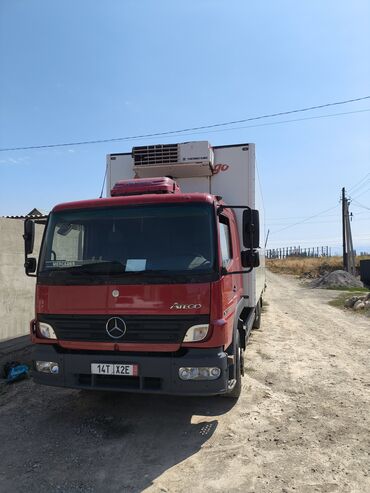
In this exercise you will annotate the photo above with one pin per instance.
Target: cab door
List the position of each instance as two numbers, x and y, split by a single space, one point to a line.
230 261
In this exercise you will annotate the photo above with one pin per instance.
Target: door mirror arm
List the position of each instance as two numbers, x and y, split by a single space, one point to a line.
225 272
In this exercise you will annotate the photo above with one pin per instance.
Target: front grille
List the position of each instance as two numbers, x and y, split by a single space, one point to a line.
119 382
139 328
155 155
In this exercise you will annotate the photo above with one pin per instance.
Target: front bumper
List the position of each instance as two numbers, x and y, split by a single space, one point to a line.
157 373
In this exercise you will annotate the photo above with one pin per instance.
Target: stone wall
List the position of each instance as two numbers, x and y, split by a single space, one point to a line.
16 289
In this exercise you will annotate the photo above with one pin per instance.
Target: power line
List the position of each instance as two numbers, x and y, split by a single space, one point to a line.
296 217
305 217
359 195
356 213
190 129
336 242
333 221
305 220
361 183
322 213
355 193
279 122
358 204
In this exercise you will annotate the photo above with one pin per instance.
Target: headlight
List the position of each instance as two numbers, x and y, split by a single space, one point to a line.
46 331
47 367
199 373
196 333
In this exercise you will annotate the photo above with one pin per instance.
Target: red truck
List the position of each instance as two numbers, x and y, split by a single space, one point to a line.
156 287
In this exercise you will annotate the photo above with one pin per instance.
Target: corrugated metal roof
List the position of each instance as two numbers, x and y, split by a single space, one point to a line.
34 214
41 216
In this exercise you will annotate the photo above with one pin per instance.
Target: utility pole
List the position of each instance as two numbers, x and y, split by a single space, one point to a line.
345 255
348 252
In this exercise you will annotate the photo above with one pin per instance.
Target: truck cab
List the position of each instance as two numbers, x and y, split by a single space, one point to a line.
145 290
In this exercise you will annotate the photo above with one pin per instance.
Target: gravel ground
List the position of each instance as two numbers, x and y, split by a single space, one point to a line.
301 425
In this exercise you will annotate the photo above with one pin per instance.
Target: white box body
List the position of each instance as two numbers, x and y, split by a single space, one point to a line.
234 178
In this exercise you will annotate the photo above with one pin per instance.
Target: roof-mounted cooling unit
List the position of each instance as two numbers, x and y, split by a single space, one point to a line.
176 160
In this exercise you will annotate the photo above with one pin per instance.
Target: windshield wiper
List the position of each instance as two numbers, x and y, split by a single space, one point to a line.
163 273
148 272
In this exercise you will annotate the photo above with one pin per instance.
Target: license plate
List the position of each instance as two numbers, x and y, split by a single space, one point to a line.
114 369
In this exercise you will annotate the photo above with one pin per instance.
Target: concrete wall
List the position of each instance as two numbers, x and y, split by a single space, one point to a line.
16 289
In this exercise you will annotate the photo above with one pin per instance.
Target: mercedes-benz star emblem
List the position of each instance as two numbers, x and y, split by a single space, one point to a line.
115 327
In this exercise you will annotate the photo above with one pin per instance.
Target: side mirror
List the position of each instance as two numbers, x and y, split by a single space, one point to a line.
30 265
29 236
250 258
29 240
251 228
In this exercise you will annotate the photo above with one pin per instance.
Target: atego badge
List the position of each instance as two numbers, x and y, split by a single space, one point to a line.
180 306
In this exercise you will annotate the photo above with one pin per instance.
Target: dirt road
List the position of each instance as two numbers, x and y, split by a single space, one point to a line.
301 425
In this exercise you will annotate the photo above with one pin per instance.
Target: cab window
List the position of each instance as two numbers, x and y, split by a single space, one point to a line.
225 241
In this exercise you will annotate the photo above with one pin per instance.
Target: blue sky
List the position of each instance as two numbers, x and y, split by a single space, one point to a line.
86 70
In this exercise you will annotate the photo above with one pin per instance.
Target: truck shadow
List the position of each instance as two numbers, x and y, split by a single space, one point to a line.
126 441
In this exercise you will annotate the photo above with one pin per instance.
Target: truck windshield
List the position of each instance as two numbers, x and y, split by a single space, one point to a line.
140 241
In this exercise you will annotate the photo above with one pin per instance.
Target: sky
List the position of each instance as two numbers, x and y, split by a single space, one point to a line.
73 71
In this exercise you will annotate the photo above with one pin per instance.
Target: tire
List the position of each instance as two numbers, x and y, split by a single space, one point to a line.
235 391
257 318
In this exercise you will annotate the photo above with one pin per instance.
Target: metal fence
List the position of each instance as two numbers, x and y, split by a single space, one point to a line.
322 251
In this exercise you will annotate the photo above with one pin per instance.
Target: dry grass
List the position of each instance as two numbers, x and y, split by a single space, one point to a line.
308 267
